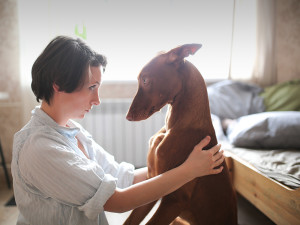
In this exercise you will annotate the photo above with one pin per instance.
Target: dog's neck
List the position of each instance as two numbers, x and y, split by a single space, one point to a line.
191 106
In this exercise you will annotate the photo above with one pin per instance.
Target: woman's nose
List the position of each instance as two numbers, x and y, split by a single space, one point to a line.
96 99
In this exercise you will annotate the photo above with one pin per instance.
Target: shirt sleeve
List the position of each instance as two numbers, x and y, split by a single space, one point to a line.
53 168
124 172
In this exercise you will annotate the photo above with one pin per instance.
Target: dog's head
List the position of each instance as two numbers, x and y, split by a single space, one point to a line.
159 82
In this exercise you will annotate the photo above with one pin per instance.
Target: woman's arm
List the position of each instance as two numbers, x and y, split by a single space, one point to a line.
140 175
199 163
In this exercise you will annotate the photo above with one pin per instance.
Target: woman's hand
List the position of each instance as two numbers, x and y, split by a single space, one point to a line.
204 162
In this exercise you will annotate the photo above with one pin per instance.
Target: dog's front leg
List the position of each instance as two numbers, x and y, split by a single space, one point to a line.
168 210
138 214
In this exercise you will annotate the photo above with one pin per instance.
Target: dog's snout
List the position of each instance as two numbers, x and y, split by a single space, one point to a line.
129 116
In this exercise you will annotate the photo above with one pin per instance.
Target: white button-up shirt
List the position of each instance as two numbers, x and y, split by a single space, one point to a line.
54 183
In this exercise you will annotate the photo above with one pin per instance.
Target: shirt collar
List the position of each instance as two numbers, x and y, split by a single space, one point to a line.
44 118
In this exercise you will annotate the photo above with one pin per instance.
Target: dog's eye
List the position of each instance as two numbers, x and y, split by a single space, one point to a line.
145 80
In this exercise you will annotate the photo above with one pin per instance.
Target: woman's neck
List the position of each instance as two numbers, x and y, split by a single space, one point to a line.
55 112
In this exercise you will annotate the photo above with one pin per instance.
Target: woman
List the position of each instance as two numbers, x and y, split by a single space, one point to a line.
61 176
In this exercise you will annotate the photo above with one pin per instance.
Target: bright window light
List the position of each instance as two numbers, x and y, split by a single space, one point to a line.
131 32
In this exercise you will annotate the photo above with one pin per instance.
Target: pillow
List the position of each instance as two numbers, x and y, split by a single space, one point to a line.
277 130
233 99
216 121
282 97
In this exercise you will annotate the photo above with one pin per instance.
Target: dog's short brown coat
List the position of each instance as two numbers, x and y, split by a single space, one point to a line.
170 79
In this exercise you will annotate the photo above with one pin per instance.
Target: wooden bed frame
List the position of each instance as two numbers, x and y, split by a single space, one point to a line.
280 203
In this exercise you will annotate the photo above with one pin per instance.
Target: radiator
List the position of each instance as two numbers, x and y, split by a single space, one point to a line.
127 141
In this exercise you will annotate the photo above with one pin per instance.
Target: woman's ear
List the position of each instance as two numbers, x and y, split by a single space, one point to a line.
55 87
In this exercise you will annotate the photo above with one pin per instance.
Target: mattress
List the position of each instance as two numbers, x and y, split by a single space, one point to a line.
280 165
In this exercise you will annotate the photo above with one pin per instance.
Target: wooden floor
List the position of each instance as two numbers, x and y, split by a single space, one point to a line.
8 215
247 213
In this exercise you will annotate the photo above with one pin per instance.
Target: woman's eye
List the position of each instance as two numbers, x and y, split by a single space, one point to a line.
92 87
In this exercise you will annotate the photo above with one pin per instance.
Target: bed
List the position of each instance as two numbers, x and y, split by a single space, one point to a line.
259 129
279 202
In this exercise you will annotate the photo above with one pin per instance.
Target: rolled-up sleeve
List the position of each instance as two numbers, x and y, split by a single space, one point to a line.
95 204
59 173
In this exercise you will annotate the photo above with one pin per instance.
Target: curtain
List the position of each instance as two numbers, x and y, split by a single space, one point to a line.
253 56
264 70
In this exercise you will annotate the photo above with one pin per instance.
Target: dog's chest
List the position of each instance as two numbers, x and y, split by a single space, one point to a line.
155 160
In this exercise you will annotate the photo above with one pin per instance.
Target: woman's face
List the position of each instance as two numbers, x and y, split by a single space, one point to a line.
81 101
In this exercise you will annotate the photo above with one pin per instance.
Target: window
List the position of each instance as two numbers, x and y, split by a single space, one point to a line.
131 32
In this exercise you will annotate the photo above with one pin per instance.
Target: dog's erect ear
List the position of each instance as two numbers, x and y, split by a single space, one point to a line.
177 54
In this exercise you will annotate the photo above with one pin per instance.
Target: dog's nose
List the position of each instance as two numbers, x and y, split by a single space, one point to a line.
129 117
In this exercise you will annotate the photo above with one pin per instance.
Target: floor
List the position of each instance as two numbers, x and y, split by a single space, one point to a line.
8 215
247 213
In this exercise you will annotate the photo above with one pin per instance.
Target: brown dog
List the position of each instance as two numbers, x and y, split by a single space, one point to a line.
170 79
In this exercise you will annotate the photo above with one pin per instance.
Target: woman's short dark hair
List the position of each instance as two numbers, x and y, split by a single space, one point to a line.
64 62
